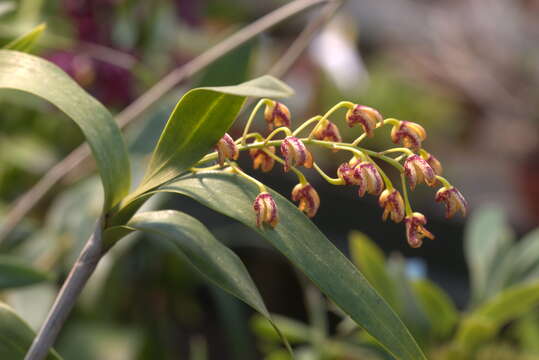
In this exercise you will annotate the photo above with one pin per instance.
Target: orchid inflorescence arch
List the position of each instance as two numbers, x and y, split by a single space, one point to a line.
418 165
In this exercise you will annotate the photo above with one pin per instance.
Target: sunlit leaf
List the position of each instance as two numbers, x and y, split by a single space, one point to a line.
25 42
487 240
309 250
439 307
198 121
370 260
16 336
31 74
14 273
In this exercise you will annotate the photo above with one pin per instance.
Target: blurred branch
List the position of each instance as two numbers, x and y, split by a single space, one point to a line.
79 275
29 199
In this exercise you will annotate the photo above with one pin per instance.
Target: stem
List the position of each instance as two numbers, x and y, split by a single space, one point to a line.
306 123
329 179
398 149
391 121
444 181
346 104
405 194
71 289
233 165
276 131
298 173
27 201
251 118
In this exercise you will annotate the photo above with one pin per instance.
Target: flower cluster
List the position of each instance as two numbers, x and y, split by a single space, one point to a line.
414 164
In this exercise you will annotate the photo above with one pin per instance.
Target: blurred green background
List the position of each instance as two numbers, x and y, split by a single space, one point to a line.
467 70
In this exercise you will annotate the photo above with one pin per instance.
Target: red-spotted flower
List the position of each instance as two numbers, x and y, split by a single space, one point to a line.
346 173
417 170
295 153
366 116
453 201
393 204
277 115
261 159
371 181
434 163
409 134
226 149
415 229
308 198
327 131
265 210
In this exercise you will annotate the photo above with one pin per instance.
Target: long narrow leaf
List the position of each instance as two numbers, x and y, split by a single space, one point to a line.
14 273
200 248
308 249
198 121
31 74
16 336
26 42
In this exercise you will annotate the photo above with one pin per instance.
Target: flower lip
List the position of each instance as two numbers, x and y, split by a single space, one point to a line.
276 115
308 198
417 170
393 204
226 149
261 159
265 210
410 134
453 201
295 153
366 116
415 229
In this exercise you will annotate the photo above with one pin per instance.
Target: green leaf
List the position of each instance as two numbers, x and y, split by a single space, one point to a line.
487 240
370 260
25 42
438 307
14 273
308 249
200 248
524 258
486 320
16 336
198 121
295 331
31 74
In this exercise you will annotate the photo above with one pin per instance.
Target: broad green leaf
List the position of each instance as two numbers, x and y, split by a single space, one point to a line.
31 74
16 336
25 42
308 249
524 258
14 273
486 320
200 248
198 121
487 240
370 260
438 307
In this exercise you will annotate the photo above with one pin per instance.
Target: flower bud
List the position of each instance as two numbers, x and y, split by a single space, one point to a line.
418 170
434 163
370 179
261 159
226 149
308 198
408 134
393 204
277 115
295 153
347 174
415 230
327 131
453 201
265 210
366 116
